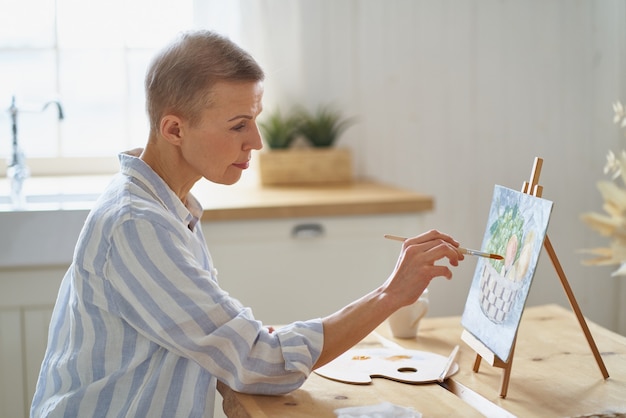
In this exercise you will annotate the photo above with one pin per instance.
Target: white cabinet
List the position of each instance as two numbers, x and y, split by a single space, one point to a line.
301 268
26 300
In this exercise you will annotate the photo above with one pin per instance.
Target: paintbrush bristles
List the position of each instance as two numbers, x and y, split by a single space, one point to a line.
479 253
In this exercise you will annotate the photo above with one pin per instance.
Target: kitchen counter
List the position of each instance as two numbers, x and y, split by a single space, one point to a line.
245 200
250 201
58 207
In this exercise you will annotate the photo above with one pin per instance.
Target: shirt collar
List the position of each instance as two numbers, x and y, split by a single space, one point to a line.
132 166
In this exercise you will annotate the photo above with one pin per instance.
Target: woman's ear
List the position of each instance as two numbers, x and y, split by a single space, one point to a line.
170 128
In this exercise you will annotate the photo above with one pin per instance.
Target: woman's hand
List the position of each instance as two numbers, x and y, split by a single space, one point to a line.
413 272
416 265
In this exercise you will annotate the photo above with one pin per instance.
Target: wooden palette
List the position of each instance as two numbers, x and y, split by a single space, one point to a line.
359 366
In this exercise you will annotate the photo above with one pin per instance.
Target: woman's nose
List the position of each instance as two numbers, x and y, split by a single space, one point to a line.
255 141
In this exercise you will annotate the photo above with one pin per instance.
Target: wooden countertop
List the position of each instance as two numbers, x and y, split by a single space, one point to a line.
247 199
554 374
252 201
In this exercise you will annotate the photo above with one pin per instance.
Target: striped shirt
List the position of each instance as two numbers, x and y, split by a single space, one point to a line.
141 327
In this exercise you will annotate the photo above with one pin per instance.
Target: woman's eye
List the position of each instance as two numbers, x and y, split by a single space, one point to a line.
239 126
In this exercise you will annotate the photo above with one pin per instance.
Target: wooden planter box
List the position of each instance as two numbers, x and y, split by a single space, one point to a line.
305 166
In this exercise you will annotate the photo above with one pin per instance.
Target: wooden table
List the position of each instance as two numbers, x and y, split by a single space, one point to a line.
553 374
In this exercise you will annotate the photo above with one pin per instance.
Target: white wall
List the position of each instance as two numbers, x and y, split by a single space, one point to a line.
456 96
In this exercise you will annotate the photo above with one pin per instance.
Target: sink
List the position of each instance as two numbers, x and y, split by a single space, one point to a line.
39 237
54 201
45 232
56 192
61 197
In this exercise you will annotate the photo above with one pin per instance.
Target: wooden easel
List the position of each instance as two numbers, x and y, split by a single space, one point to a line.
482 352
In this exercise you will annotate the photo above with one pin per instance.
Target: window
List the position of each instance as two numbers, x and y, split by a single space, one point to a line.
91 56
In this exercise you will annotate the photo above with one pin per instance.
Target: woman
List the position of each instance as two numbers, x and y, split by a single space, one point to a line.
141 326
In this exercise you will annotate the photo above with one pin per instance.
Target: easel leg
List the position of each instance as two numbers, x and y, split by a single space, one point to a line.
476 363
504 383
575 307
493 360
506 374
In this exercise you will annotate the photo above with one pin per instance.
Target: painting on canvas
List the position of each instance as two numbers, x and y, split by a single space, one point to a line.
516 228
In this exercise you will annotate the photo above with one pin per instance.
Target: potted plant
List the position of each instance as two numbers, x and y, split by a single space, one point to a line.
323 127
320 163
279 131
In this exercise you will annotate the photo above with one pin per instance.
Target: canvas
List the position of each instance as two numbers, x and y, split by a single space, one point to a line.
516 228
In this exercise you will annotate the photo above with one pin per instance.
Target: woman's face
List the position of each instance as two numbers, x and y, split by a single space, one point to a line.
220 145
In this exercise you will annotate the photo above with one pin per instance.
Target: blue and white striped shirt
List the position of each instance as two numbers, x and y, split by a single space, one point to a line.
140 326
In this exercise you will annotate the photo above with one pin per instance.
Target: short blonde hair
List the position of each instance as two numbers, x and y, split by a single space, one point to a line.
180 77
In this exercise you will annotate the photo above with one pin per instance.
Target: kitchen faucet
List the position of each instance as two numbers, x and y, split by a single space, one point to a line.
58 105
17 170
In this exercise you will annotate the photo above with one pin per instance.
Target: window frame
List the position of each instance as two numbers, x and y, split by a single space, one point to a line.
56 164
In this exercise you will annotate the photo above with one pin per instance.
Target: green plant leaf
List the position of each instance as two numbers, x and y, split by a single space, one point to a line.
279 131
323 127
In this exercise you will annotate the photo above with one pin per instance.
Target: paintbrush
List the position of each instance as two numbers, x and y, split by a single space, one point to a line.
459 249
449 363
